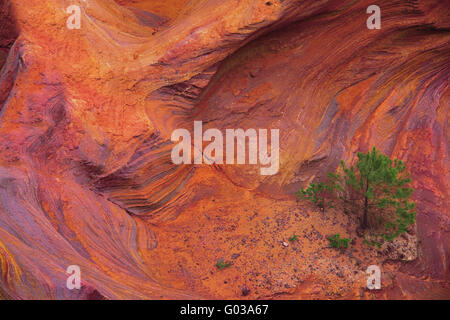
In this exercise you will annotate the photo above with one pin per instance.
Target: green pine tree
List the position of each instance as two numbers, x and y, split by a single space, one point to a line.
383 185
376 186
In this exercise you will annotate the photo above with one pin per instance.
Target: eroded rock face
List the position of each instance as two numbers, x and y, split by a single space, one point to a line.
8 32
86 176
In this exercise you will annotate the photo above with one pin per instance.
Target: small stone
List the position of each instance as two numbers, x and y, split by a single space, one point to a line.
245 291
285 244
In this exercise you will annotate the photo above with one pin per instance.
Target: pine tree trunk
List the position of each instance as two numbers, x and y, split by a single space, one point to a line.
366 205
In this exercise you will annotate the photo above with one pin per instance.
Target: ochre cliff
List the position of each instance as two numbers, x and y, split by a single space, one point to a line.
86 117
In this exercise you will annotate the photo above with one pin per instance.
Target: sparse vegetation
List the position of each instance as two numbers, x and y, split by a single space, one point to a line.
377 187
221 264
372 243
337 242
293 238
317 193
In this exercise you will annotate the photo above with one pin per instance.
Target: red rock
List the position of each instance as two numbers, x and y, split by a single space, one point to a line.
86 116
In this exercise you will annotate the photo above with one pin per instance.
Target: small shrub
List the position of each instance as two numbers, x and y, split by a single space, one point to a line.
221 264
338 243
293 238
317 193
372 243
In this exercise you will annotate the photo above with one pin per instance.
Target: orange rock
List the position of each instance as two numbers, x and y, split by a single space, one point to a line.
86 118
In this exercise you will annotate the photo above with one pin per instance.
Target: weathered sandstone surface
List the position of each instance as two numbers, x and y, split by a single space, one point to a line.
86 117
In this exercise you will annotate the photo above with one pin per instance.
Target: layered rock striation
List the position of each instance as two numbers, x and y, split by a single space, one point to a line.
86 117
